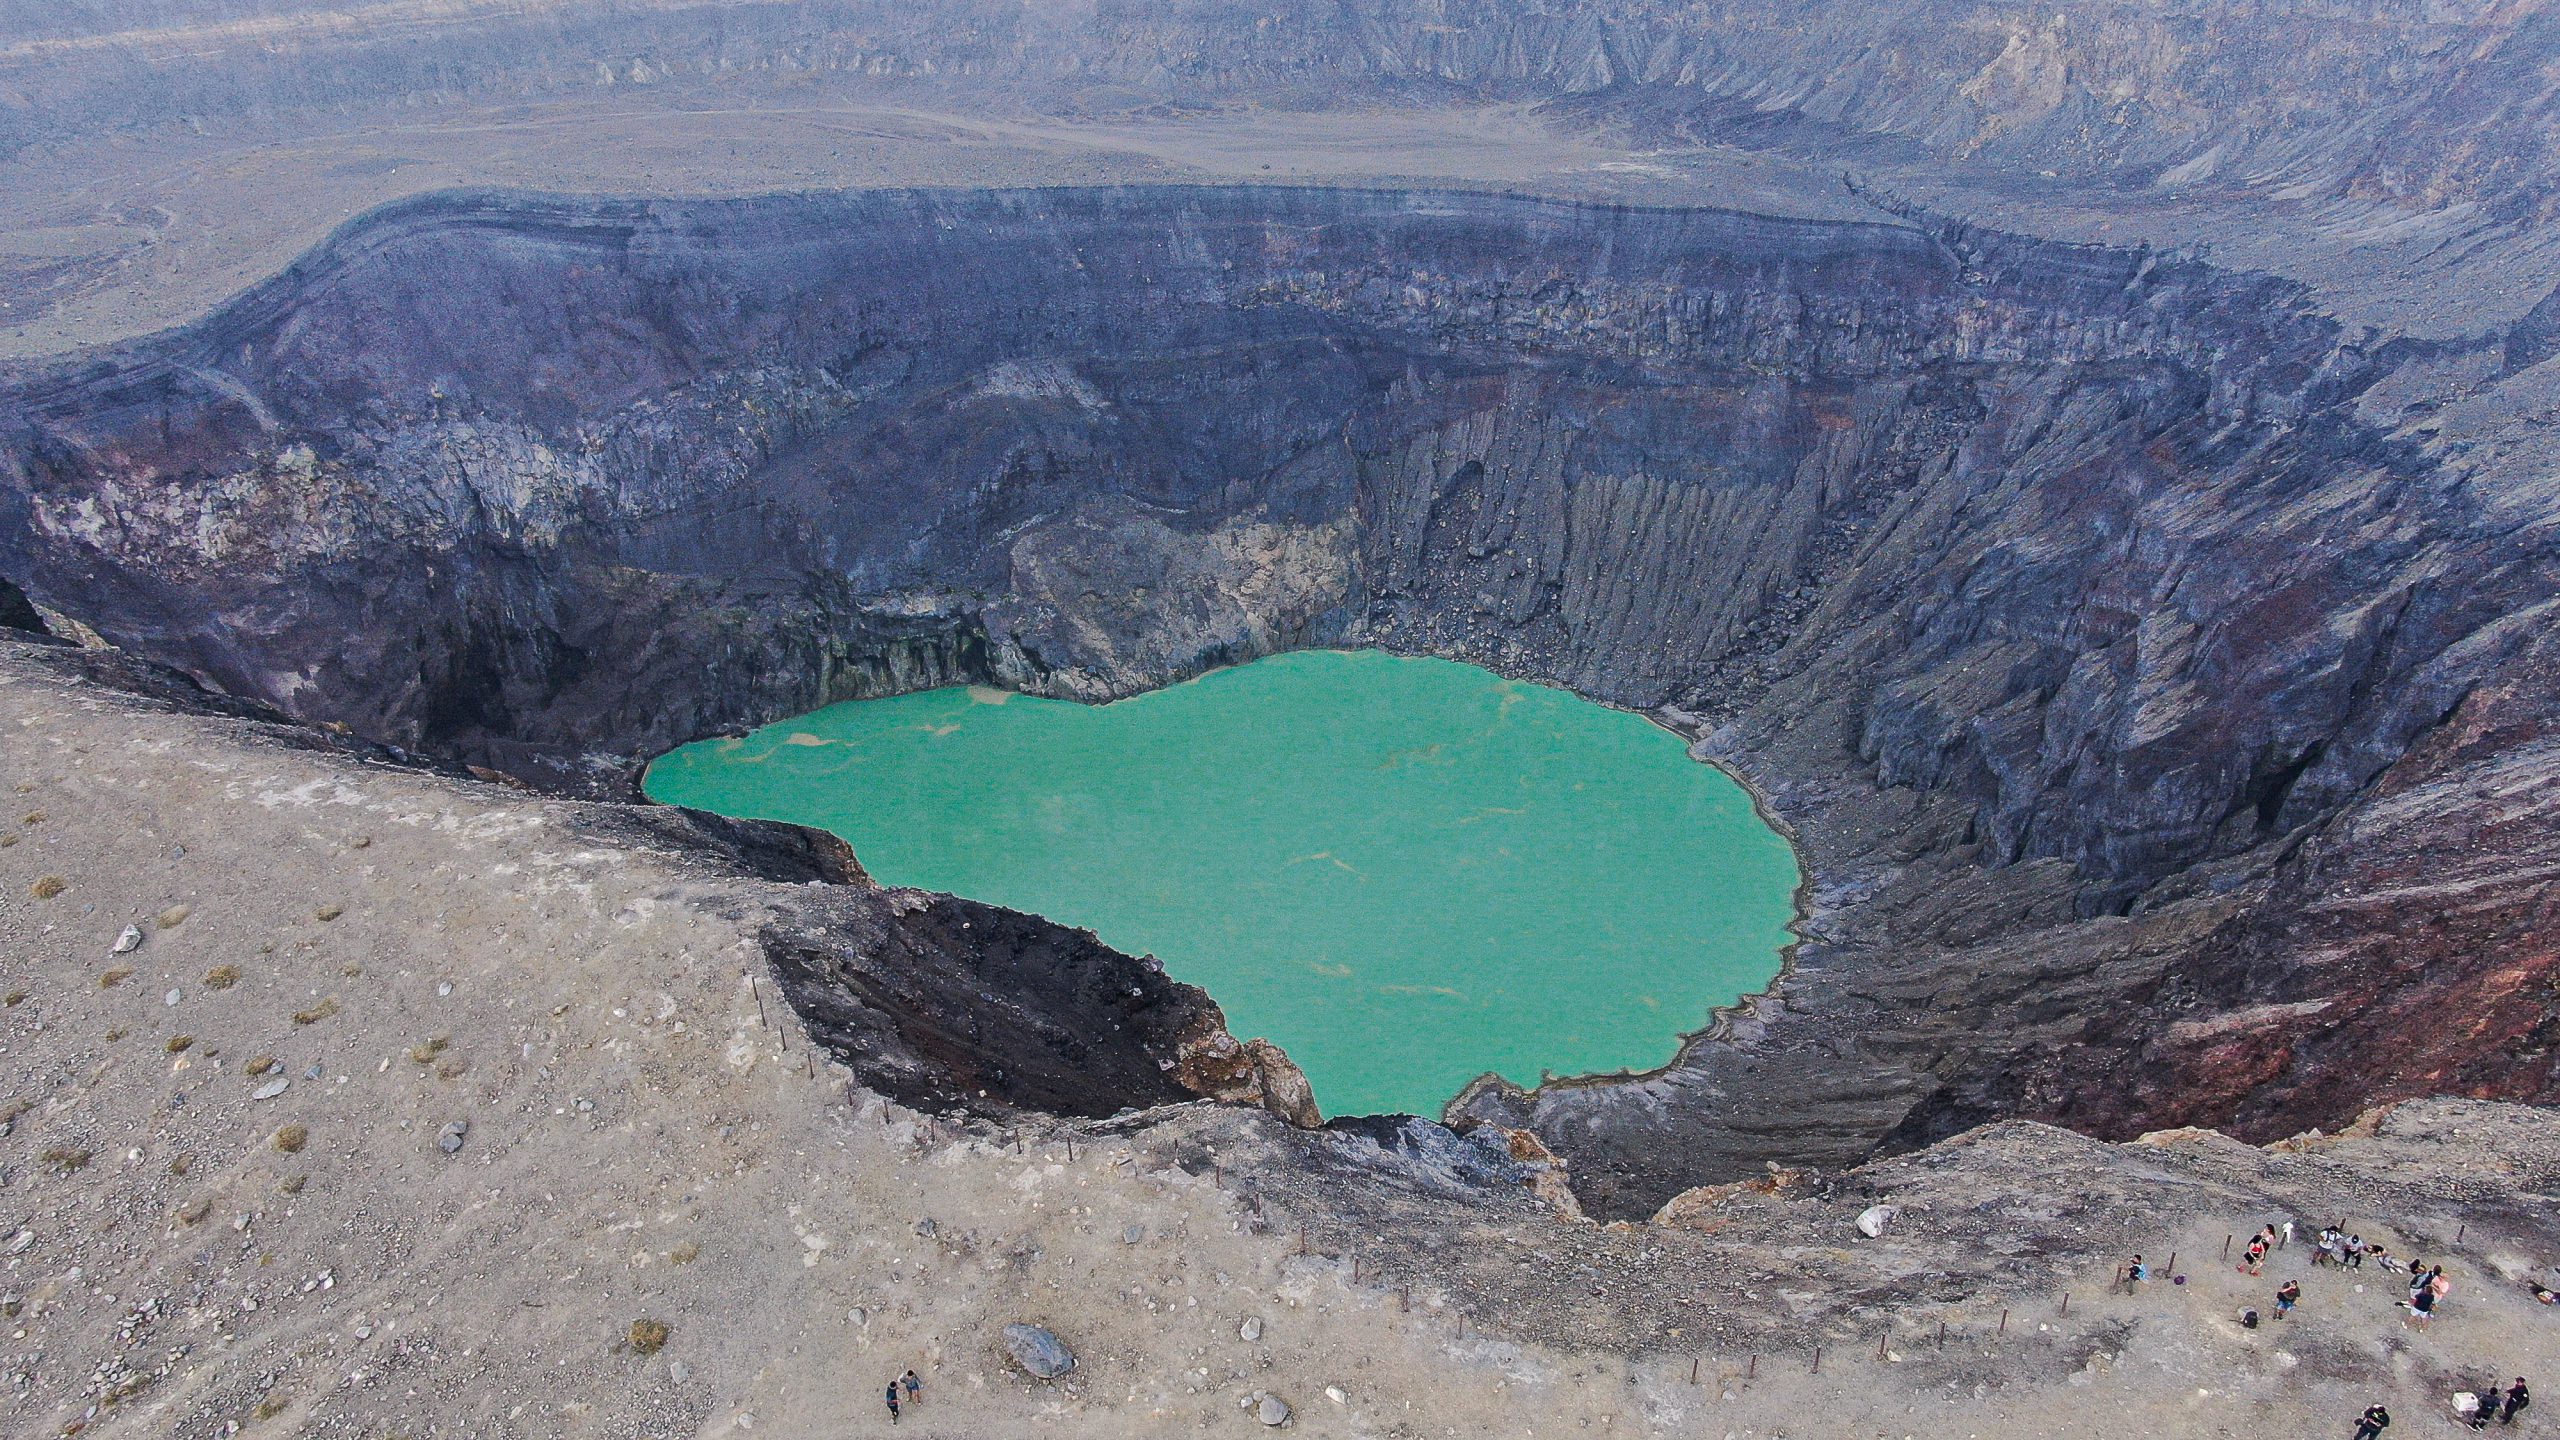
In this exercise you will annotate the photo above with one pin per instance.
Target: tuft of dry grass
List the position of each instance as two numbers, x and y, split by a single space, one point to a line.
292 1138
426 1051
684 1254
50 886
63 1160
173 917
327 913
181 1164
194 1211
292 1184
648 1337
317 1013
115 977
16 997
222 977
180 1044
261 1064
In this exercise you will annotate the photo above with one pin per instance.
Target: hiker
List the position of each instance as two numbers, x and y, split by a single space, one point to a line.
2374 1421
2422 1308
2285 1241
892 1398
2517 1399
2256 1260
2326 1251
2442 1286
914 1384
2286 1296
2355 1251
2134 1273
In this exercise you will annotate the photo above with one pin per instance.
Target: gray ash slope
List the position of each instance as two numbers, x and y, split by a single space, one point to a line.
2156 671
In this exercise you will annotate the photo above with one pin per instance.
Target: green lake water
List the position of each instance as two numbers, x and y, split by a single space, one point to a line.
1405 872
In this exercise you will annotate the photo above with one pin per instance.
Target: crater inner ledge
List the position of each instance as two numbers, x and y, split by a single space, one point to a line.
2106 625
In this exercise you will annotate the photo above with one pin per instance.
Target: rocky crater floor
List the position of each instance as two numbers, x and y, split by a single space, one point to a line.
417 1103
2154 668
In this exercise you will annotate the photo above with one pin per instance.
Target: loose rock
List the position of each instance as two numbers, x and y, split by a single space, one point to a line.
129 941
1873 1219
450 1141
1251 1330
1273 1411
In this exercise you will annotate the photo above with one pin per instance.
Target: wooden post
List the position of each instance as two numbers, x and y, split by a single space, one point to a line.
2066 1302
1942 1334
758 991
1404 1299
1752 1371
1693 1369
2461 1230
2173 1265
1880 1347
2004 1319
2226 1247
1817 1359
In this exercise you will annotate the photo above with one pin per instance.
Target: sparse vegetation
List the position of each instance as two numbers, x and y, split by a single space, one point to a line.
292 1138
180 1044
327 913
425 1051
63 1160
115 977
172 918
261 1064
50 886
648 1337
222 977
317 1013
181 1164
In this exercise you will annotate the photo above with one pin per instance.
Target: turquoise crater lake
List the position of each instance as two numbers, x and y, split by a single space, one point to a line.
1405 872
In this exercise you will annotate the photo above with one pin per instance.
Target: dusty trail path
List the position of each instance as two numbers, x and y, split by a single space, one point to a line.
405 952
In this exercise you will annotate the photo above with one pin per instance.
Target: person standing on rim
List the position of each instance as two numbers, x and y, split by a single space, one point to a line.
914 1384
2374 1422
2517 1399
892 1398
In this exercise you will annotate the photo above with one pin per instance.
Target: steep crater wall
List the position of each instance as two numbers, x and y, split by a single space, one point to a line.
2062 599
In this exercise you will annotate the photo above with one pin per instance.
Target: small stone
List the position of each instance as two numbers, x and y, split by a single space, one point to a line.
1039 1351
450 1140
1250 1332
444 987
172 998
1273 1411
679 1372
1334 1394
271 1089
1873 1219
927 1227
1133 1234
857 1315
129 941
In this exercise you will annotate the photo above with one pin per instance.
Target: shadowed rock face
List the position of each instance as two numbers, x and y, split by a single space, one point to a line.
2146 699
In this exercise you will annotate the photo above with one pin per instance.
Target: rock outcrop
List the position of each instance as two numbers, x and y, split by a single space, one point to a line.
2151 666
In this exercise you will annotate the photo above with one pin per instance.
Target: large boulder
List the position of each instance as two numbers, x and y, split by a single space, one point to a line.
1038 1349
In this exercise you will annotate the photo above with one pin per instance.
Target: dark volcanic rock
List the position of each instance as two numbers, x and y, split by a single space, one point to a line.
2146 696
